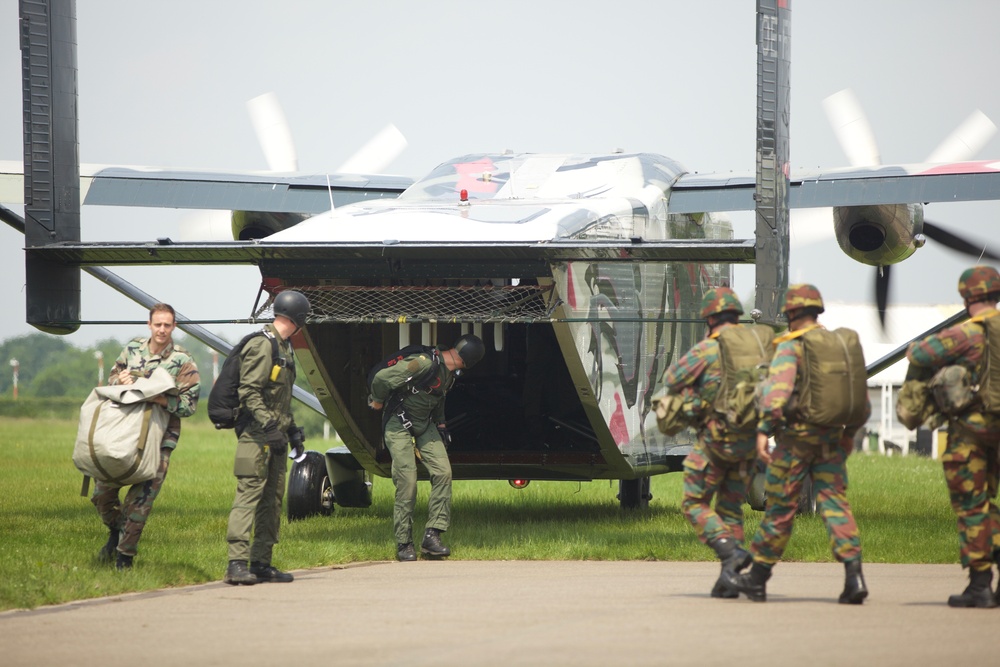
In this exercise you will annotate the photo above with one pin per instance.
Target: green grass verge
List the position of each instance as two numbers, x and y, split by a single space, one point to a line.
51 534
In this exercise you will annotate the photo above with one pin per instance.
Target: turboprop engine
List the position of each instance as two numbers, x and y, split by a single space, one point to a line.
881 234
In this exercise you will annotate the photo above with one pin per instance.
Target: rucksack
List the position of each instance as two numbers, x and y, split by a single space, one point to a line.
421 382
224 400
989 369
745 353
833 389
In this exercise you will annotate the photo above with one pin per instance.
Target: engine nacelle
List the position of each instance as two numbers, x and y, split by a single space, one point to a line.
880 234
249 225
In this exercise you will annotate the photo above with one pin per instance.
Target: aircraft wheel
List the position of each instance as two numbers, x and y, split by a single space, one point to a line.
634 493
807 499
756 498
309 488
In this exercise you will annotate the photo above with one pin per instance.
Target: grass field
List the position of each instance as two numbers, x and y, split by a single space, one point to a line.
51 534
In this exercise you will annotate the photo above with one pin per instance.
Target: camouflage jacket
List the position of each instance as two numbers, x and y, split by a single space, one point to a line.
140 362
424 408
777 389
697 376
964 345
266 389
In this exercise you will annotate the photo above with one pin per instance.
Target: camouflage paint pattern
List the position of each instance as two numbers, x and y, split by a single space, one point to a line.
137 505
971 469
801 296
720 300
137 359
129 516
791 462
719 465
978 281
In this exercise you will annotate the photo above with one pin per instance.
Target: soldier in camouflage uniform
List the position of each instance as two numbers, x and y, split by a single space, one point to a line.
415 418
264 428
970 463
126 519
721 461
803 449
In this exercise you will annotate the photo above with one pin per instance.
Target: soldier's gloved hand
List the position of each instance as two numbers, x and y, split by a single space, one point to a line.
445 434
296 436
275 439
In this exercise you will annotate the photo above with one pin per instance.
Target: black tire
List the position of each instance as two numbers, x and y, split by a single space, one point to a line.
756 498
807 498
634 493
309 489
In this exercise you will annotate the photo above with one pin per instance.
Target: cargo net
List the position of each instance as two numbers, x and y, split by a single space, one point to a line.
351 303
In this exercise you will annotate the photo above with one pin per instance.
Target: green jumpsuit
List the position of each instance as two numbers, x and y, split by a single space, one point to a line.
266 395
425 411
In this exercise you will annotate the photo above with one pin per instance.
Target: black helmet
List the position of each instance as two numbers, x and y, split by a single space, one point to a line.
471 349
293 305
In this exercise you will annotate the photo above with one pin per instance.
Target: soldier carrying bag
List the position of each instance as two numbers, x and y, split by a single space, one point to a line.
120 431
834 387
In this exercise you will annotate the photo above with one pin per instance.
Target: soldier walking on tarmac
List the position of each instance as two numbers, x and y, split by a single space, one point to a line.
816 449
721 462
971 468
413 391
264 429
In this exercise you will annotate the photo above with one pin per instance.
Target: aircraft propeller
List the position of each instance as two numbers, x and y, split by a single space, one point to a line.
275 137
854 133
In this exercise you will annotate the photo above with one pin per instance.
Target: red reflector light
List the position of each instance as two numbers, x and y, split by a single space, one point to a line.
519 483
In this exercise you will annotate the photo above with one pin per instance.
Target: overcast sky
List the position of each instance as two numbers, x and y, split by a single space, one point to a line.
165 84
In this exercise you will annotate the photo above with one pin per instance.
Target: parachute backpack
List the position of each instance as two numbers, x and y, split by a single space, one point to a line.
834 386
422 382
989 370
745 353
224 401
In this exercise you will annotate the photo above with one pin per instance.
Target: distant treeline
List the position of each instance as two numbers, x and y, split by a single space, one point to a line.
54 377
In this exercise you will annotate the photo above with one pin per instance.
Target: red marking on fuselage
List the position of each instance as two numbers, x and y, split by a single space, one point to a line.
617 426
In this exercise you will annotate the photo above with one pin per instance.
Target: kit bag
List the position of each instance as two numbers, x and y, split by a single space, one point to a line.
120 431
833 389
745 353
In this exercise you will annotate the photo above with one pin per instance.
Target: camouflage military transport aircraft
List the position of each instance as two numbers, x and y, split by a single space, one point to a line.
582 273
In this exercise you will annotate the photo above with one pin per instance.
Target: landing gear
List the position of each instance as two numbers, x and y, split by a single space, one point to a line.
309 488
634 493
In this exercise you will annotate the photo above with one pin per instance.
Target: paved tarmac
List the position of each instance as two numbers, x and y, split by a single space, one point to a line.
474 613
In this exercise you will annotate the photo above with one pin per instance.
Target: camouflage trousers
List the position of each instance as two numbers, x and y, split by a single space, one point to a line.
791 463
129 516
707 476
404 476
971 470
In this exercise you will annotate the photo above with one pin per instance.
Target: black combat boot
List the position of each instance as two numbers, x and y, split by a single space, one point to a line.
752 583
238 574
431 547
269 573
734 558
109 552
978 593
405 552
855 590
123 562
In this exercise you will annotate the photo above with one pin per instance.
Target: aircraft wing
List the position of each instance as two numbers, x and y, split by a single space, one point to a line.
232 191
398 258
852 186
